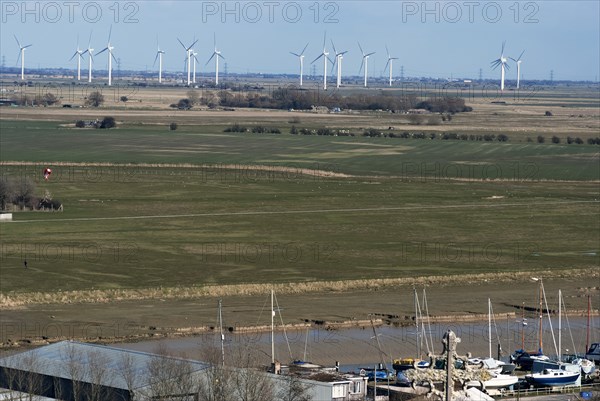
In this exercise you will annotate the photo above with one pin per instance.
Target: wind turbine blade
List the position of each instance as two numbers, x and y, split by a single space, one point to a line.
297 55
192 45
220 55
90 40
181 43
519 59
155 58
18 44
211 57
332 45
503 44
333 65
370 54
324 38
18 58
109 33
73 56
320 55
303 50
361 66
342 53
215 40
361 50
387 64
113 56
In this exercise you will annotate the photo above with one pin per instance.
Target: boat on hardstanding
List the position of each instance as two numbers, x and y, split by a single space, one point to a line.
553 378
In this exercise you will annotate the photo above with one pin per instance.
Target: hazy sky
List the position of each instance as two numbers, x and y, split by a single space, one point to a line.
435 38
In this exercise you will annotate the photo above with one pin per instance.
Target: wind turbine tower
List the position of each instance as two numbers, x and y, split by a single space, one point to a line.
188 55
390 62
79 54
90 52
502 63
518 61
216 55
325 56
365 62
159 57
22 57
301 58
111 56
338 59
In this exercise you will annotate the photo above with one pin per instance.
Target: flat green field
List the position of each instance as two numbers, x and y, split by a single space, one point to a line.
48 142
402 212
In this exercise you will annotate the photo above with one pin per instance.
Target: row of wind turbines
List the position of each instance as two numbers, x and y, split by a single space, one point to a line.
191 60
339 56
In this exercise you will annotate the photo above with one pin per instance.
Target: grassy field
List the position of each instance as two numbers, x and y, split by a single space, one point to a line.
48 142
393 207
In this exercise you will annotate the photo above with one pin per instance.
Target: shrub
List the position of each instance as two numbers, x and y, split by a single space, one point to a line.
236 128
578 141
173 126
502 138
541 139
555 139
80 124
548 113
294 130
95 99
108 122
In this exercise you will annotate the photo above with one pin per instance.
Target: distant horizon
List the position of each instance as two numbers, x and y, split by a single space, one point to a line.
437 39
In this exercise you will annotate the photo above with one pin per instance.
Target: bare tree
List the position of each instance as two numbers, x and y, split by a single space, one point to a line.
217 385
6 191
72 360
171 377
249 382
23 190
127 370
95 99
99 376
293 389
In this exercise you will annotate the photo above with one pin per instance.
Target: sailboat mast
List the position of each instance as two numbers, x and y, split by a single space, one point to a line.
417 324
222 335
272 330
490 325
523 326
559 325
541 317
587 337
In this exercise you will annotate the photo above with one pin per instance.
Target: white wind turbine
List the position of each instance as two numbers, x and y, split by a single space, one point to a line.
325 56
90 52
188 56
365 62
301 58
79 53
22 57
390 62
159 57
502 62
216 53
518 61
110 57
338 60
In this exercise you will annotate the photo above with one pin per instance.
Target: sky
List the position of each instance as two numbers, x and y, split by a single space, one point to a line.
440 39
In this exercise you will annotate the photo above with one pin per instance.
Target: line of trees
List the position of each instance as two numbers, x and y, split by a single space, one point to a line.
19 192
299 99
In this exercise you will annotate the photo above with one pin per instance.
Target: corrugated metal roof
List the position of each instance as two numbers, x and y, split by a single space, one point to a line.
62 358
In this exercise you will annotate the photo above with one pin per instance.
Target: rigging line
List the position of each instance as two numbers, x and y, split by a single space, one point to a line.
549 320
562 300
287 341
